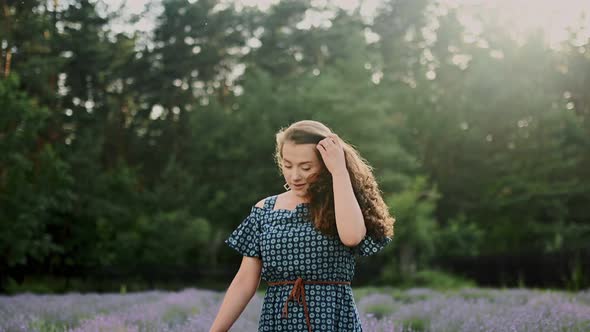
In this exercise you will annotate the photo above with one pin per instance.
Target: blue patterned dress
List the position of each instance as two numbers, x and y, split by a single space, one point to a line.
291 248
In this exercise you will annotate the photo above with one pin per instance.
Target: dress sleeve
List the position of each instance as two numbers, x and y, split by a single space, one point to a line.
245 239
370 246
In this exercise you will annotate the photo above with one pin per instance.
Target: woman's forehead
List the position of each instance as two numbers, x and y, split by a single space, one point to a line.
299 153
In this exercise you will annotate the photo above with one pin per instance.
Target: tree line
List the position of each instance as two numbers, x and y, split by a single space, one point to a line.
128 152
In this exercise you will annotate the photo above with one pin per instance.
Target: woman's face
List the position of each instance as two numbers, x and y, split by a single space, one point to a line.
300 165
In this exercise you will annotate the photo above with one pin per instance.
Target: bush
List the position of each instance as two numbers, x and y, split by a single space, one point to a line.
436 279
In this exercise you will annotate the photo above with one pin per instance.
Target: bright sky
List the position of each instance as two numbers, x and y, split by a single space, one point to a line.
523 16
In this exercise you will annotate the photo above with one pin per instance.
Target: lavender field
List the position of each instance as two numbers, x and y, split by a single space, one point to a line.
382 309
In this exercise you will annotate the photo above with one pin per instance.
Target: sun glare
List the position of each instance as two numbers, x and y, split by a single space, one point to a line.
556 19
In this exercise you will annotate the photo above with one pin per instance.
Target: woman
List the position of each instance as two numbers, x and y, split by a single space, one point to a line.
304 242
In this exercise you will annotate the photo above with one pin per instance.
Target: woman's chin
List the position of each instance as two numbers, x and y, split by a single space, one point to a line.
300 192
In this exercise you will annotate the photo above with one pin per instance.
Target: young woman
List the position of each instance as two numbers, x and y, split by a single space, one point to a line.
304 242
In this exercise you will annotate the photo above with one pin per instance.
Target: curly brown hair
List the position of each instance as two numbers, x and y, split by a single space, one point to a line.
378 221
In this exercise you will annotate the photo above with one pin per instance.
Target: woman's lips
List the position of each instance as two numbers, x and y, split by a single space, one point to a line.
298 186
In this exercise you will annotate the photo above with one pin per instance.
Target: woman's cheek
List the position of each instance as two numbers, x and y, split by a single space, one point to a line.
311 176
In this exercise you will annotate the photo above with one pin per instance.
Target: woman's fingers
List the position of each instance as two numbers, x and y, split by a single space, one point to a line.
335 139
332 140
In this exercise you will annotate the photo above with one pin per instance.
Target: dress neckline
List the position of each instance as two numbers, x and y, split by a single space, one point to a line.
295 209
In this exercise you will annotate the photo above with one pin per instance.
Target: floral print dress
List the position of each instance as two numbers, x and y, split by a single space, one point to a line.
291 248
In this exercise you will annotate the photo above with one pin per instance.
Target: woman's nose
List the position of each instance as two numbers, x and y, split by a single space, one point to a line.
296 175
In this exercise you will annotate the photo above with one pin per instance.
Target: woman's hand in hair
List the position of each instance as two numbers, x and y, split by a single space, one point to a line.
333 154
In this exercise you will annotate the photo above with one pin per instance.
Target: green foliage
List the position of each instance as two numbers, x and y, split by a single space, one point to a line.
576 279
379 310
34 286
416 324
175 314
34 180
459 237
415 229
45 326
436 279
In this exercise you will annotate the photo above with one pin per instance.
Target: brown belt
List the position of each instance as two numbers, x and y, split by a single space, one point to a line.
298 293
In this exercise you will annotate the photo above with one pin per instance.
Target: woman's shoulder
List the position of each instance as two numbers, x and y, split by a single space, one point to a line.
260 203
264 203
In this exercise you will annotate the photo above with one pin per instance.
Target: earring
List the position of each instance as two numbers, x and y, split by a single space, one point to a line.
286 186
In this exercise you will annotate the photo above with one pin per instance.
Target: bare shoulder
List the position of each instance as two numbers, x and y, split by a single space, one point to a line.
260 203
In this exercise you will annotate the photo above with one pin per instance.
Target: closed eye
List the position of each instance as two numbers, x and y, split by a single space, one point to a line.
305 169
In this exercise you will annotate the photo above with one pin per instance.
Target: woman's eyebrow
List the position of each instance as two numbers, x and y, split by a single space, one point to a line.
303 162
